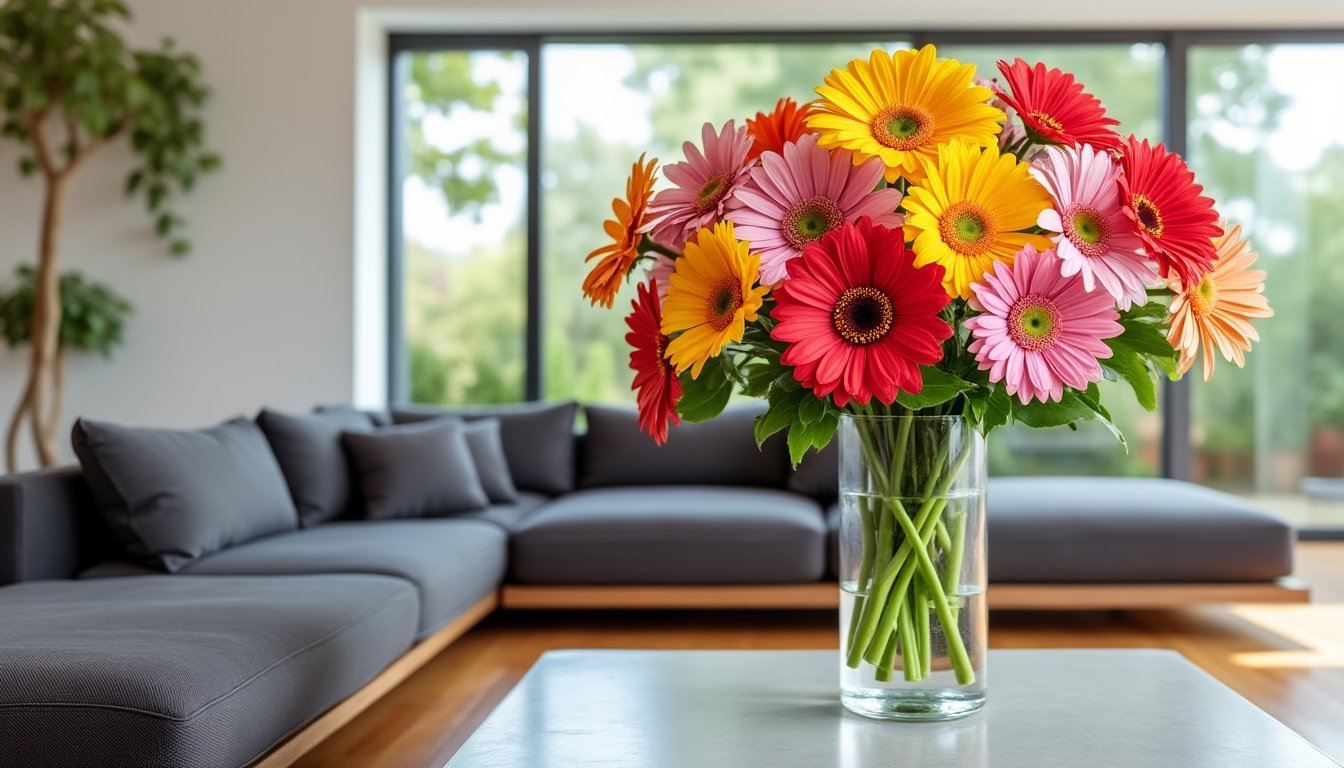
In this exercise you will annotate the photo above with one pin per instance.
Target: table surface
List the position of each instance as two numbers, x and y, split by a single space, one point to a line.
741 709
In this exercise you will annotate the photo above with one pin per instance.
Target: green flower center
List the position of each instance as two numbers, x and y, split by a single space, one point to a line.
1033 323
809 220
1086 228
1203 298
967 228
902 126
711 193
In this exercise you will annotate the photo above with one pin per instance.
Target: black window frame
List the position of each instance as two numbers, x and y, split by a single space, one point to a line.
1177 447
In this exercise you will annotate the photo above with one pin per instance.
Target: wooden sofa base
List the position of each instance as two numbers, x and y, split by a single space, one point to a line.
336 717
1033 597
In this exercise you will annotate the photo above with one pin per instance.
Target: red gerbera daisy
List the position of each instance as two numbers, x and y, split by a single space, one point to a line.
858 317
1176 223
1054 107
771 132
657 388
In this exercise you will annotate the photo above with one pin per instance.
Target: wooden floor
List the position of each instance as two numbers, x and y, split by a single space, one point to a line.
1288 659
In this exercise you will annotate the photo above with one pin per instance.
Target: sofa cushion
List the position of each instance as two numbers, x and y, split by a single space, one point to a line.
175 671
173 495
508 516
718 452
308 448
1115 529
538 439
818 474
492 466
671 535
50 527
415 470
452 563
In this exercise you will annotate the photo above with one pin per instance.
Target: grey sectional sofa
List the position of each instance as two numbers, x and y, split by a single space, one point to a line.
108 663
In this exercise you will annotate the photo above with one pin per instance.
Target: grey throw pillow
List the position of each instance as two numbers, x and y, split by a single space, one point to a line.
415 471
538 439
308 448
492 466
173 495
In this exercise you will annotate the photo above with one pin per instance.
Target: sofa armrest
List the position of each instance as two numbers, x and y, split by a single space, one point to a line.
49 526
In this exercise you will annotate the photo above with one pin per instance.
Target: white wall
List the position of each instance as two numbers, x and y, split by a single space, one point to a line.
264 310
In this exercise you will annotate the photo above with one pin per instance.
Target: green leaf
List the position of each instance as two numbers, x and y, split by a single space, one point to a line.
811 410
939 387
816 435
1092 401
1039 415
998 409
1127 364
180 248
782 411
704 398
1144 338
760 375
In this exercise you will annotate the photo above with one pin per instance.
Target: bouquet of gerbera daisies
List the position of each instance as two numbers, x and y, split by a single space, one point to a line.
916 241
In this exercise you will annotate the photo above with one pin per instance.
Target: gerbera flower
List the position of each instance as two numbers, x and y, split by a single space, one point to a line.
1095 239
1176 223
1012 133
900 106
859 317
1216 312
657 388
969 212
711 298
661 272
771 132
795 198
1040 331
1054 107
705 182
626 232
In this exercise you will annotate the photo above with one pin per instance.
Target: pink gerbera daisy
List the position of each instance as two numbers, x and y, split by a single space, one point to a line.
705 183
1094 237
793 199
1039 330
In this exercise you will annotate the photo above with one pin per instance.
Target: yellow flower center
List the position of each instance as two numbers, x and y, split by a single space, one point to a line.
903 126
1033 323
1150 218
862 315
809 220
1047 121
1204 296
725 298
968 228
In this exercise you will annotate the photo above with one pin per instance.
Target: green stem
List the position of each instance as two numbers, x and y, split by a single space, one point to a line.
896 600
952 583
956 649
910 653
884 667
920 605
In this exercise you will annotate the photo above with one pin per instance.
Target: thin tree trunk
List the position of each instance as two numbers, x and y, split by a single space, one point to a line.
57 408
15 424
44 346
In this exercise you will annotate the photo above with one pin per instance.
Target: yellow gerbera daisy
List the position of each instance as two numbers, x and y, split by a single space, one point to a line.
969 211
1216 313
710 297
900 106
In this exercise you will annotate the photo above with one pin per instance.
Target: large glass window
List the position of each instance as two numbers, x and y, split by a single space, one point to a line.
1270 149
603 106
463 235
1128 80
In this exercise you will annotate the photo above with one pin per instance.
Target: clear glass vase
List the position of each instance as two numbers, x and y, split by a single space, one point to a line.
912 567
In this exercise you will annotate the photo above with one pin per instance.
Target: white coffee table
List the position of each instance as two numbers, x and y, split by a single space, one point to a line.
779 709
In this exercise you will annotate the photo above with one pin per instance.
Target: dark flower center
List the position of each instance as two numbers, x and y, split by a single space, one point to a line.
862 315
809 220
711 193
1150 218
724 301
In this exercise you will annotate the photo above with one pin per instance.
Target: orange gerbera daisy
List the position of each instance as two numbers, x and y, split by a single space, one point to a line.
626 231
1216 312
771 132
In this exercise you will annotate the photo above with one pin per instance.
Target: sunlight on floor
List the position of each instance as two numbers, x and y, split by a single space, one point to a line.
1319 629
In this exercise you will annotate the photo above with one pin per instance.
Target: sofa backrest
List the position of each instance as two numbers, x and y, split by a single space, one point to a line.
538 439
718 452
50 527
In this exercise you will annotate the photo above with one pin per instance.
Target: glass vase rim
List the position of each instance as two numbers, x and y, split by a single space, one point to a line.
895 416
